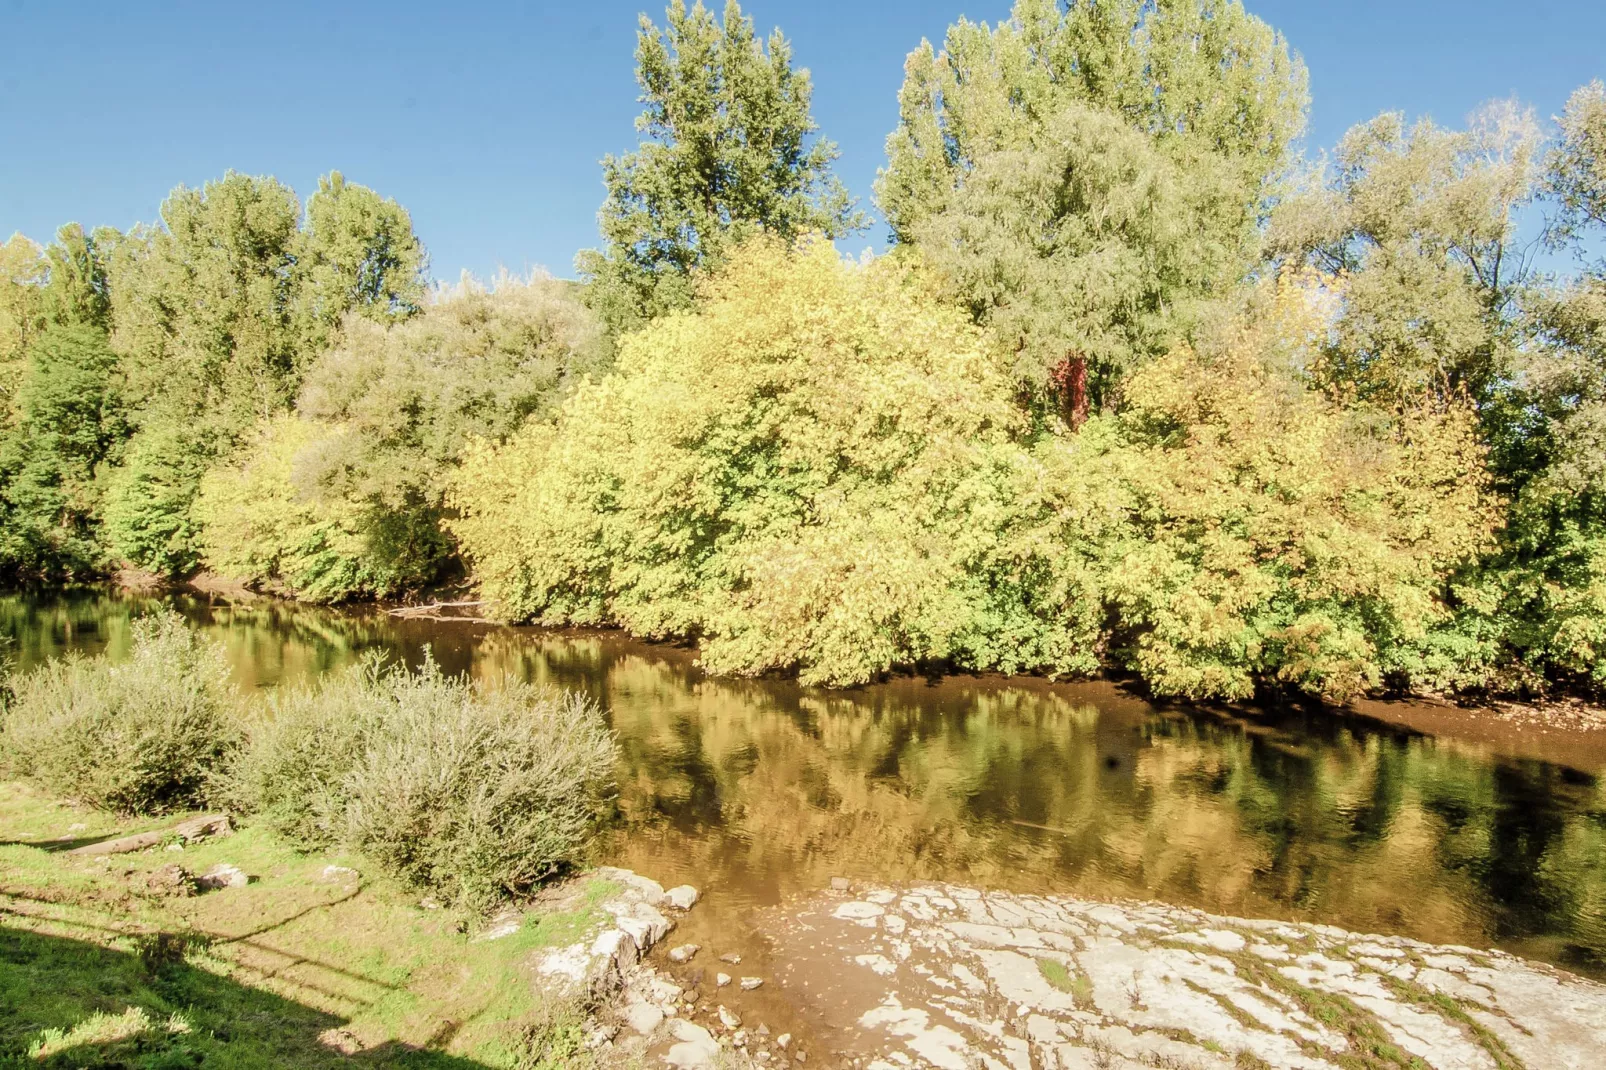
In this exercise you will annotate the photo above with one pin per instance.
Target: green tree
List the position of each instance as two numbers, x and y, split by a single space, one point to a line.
69 422
217 313
1577 175
730 148
1421 222
1011 138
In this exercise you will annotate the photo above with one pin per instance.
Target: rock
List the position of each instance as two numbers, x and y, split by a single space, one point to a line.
171 879
728 1018
695 1048
840 884
429 902
750 983
643 921
731 957
722 979
682 897
504 924
338 874
634 884
863 913
684 952
600 1036
223 875
783 1040
801 1056
763 1030
739 1038
643 1017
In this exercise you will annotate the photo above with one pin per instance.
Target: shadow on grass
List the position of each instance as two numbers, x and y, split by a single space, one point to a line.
51 982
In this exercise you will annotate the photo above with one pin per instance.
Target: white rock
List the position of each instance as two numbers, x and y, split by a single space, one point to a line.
750 983
695 1049
860 912
643 1017
684 952
722 979
223 875
783 1040
681 898
338 874
728 1018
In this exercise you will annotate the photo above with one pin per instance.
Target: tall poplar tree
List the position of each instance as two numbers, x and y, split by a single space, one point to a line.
729 148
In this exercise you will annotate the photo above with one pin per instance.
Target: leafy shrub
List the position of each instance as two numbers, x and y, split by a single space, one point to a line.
804 473
147 519
822 470
142 736
474 791
257 527
1245 527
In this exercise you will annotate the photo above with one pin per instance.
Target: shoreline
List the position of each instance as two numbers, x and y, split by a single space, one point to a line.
1567 731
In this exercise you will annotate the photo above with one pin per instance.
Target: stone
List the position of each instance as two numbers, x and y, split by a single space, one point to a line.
731 957
683 897
338 874
783 1040
801 1056
722 979
695 1047
739 1038
222 875
643 1017
750 983
728 1018
684 952
840 884
863 913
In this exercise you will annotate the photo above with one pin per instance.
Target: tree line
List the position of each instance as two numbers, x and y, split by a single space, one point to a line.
1138 385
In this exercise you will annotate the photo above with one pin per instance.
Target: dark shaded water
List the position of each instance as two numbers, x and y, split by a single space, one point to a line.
752 790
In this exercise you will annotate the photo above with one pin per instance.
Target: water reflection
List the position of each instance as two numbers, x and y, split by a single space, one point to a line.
755 789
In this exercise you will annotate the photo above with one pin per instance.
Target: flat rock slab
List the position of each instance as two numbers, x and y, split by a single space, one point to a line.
953 977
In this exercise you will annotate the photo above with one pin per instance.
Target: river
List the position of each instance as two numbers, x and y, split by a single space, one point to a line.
754 790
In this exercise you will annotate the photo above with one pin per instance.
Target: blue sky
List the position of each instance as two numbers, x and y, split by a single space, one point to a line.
487 120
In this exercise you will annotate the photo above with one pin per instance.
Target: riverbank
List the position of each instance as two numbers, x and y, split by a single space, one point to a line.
1565 730
235 951
955 977
238 951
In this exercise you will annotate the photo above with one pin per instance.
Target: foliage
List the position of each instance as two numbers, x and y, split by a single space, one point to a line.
1007 163
1421 222
1084 240
474 791
255 526
143 736
796 472
820 470
730 149
216 314
68 423
1577 166
1265 531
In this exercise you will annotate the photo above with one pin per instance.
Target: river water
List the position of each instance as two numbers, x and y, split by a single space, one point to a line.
757 790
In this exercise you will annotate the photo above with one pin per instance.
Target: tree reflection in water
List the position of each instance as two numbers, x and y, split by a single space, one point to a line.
755 789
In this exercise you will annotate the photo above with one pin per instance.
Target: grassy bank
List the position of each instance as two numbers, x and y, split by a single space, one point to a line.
101 966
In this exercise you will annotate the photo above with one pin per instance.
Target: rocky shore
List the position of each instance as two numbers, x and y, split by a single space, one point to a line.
894 978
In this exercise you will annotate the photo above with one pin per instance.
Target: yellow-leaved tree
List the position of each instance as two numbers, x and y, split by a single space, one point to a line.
809 471
1248 527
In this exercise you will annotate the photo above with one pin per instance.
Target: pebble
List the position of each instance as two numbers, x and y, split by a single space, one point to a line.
731 957
840 884
729 1018
750 983
722 979
684 952
783 1040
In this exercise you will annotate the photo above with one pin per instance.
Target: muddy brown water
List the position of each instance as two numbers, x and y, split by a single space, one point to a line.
758 791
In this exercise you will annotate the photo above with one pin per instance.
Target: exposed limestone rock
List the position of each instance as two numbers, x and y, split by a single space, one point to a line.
682 898
684 952
222 875
955 978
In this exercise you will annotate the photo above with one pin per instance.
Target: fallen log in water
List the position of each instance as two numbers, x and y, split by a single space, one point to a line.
432 611
193 829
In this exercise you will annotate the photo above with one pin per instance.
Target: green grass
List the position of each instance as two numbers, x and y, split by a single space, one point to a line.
97 970
1076 985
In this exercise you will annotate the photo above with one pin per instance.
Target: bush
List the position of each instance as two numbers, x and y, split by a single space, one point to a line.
256 526
143 736
804 472
472 791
